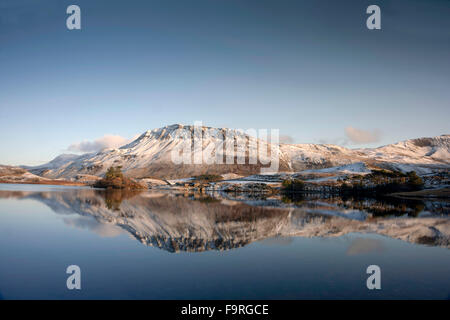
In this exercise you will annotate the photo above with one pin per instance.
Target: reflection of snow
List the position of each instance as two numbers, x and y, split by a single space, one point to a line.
348 214
177 223
355 168
89 223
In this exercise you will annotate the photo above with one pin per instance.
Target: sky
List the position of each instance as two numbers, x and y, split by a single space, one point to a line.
309 68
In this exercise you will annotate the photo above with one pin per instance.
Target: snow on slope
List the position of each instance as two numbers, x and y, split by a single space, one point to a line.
309 156
150 156
423 155
354 168
415 151
56 162
10 174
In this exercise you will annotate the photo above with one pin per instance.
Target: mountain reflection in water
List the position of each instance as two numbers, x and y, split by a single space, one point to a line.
195 222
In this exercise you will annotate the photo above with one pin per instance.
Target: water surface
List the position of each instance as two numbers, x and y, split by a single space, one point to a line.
190 246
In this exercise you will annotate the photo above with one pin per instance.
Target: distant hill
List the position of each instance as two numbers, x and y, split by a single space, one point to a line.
150 156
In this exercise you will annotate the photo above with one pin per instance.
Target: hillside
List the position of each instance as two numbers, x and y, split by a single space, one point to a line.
150 156
11 174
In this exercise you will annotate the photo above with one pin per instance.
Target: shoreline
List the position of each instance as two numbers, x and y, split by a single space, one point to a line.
440 193
51 183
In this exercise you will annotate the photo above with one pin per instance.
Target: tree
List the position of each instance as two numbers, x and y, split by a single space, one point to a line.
294 185
414 180
114 179
114 172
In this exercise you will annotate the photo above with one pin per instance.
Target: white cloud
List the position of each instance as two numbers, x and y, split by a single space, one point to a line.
336 141
286 139
107 141
360 136
88 223
281 139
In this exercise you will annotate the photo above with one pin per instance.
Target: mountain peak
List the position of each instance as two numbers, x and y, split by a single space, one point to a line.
150 155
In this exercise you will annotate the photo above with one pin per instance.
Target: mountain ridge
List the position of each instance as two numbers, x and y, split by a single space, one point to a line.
149 155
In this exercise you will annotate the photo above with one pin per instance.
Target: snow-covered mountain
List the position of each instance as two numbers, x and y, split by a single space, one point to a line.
56 163
421 155
150 155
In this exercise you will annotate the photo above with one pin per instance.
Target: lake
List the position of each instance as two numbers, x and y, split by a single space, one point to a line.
166 245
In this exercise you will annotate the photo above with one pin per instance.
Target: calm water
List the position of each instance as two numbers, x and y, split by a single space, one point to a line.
181 246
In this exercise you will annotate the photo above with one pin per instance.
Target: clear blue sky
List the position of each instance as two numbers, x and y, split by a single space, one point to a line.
310 68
